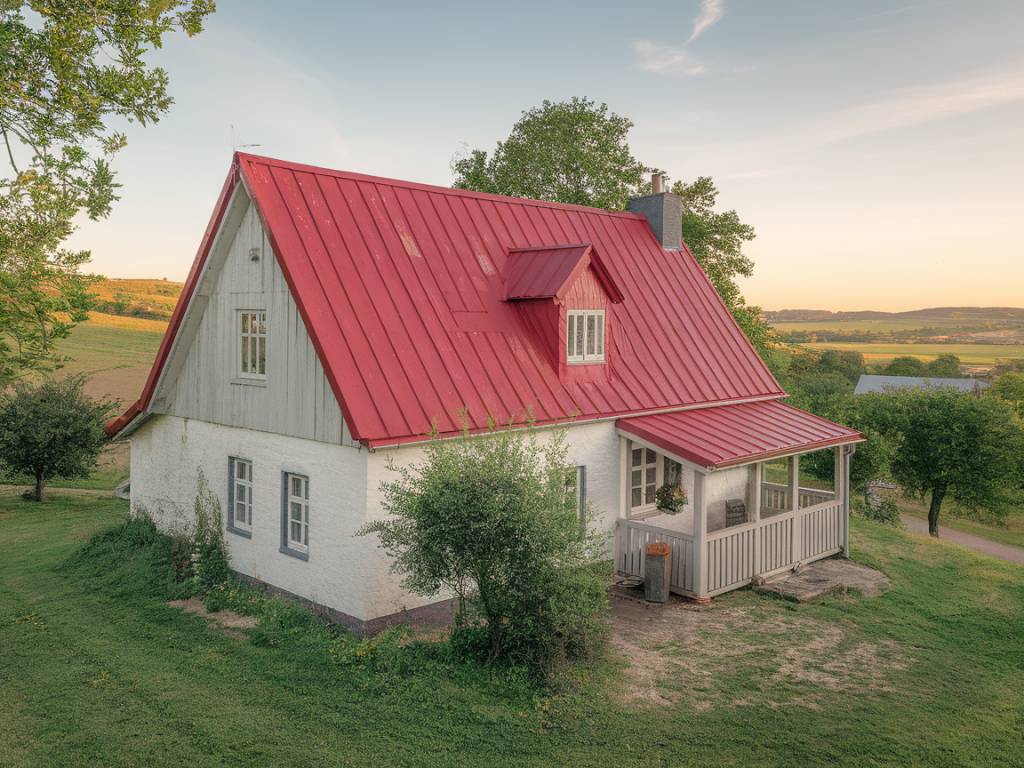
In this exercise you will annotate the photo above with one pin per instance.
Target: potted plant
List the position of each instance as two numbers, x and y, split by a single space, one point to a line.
670 498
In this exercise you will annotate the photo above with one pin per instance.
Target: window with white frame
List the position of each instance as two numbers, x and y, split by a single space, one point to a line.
585 336
643 474
240 494
253 343
673 472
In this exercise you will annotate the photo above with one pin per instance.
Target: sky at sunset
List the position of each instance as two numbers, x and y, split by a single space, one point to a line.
876 147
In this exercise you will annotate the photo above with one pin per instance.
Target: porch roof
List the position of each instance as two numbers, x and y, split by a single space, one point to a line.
730 435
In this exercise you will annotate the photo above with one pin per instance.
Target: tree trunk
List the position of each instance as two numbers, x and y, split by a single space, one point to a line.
40 484
938 494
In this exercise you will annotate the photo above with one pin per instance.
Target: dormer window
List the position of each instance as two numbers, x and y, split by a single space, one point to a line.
585 336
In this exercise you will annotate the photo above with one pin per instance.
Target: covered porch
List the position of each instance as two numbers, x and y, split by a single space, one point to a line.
750 511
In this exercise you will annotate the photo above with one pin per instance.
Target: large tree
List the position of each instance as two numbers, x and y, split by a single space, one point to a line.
716 239
570 151
950 444
576 151
70 70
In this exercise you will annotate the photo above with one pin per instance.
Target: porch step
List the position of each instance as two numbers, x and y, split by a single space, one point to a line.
826 577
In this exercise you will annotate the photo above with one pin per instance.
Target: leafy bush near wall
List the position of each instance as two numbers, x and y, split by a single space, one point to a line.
134 562
884 510
211 566
492 519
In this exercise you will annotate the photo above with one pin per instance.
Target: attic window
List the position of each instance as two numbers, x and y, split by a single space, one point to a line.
585 336
253 347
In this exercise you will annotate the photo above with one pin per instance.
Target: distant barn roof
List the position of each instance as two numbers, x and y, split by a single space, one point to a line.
871 383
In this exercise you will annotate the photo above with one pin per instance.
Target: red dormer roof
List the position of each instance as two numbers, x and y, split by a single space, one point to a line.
402 289
549 273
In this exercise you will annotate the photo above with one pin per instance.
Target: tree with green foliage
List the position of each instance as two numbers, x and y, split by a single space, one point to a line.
1010 388
570 151
716 239
905 365
848 364
70 70
52 429
944 367
949 443
492 519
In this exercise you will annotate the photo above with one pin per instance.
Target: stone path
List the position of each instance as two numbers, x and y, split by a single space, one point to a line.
827 577
1007 552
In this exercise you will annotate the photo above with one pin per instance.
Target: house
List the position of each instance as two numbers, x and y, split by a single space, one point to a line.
331 321
872 383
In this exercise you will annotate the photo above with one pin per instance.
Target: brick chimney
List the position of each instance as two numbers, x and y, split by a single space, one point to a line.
663 211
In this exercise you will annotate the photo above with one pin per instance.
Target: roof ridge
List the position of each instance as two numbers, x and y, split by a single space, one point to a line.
356 176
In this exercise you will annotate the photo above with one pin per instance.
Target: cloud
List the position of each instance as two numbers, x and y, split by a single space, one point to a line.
921 105
664 59
711 12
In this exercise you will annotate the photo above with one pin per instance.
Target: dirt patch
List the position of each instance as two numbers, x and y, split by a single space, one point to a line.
229 623
759 653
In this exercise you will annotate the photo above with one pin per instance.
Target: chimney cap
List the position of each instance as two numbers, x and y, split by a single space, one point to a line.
657 182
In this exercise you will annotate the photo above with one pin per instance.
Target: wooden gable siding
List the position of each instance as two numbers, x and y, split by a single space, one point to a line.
586 293
296 398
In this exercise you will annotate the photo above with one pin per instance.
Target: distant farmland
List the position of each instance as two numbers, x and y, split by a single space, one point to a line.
967 332
969 354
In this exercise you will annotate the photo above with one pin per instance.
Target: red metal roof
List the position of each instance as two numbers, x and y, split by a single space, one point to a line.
401 287
727 435
548 273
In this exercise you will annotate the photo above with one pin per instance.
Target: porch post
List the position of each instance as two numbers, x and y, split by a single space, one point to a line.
844 458
794 505
755 502
700 535
623 498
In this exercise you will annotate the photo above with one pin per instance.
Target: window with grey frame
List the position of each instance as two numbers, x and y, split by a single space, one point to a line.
240 486
295 515
576 492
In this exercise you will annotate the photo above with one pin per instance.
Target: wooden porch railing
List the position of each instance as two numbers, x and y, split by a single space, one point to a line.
775 497
733 556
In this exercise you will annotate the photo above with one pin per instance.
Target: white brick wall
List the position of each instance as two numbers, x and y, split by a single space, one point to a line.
344 572
167 453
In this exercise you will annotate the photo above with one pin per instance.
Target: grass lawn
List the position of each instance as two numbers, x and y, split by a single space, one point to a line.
94 671
969 354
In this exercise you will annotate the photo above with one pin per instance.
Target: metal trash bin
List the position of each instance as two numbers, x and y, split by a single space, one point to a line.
657 573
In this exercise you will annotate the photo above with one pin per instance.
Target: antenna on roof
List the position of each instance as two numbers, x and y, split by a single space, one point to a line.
235 145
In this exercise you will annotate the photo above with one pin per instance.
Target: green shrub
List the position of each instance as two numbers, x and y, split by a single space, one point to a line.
489 519
132 561
884 510
210 555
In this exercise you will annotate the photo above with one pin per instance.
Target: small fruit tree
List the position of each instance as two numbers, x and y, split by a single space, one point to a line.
52 429
491 519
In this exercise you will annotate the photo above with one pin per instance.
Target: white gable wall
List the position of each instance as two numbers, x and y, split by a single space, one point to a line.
296 398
